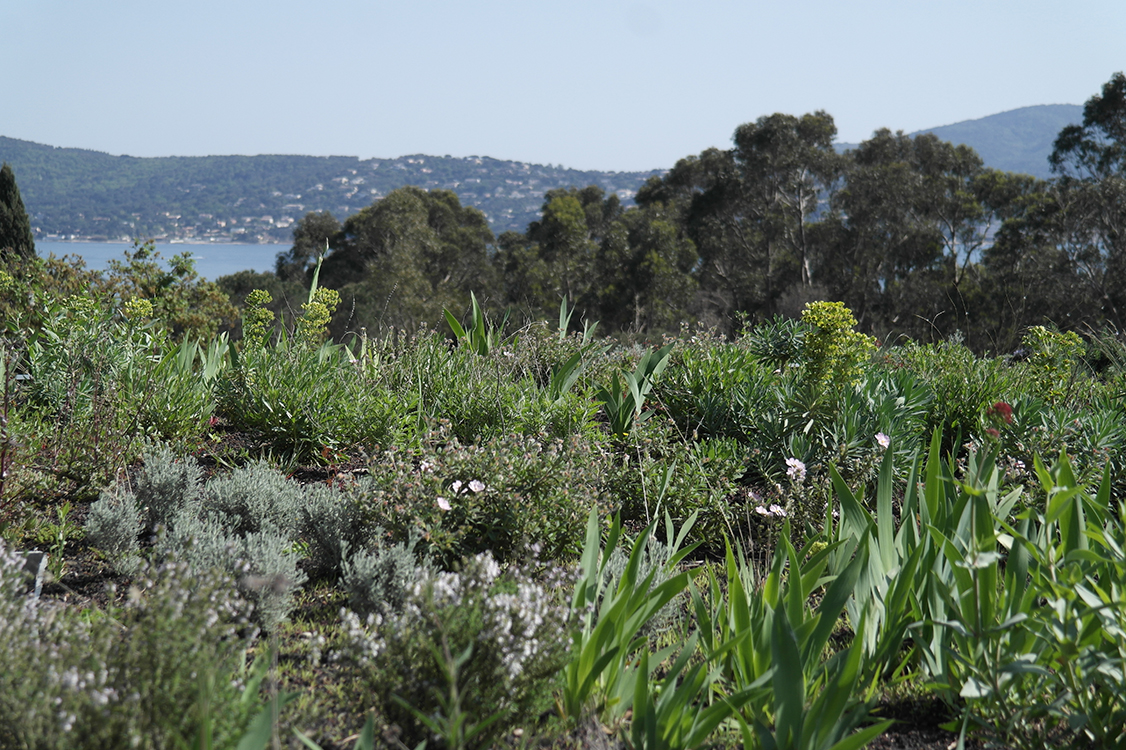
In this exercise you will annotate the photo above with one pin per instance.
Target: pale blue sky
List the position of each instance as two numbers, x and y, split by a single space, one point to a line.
613 85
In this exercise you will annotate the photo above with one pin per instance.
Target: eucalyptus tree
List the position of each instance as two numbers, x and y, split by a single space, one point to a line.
644 270
403 259
556 258
1090 191
750 212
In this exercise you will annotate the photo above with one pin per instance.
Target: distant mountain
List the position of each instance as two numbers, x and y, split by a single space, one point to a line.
76 193
1019 140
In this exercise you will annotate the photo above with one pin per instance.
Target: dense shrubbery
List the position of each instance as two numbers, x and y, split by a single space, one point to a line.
789 454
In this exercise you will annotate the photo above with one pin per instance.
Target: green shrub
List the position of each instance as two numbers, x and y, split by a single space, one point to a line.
1052 359
166 486
132 678
331 523
512 626
832 353
499 495
113 526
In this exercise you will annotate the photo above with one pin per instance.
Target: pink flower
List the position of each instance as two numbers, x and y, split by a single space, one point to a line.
476 485
443 504
883 440
456 486
795 470
1001 411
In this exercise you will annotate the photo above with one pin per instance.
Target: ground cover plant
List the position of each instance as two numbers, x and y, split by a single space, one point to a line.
532 537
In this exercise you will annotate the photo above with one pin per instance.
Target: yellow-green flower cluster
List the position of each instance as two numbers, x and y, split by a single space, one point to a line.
137 309
316 315
7 282
256 318
833 352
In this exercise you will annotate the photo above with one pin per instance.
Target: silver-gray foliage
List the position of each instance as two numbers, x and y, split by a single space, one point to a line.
166 486
255 498
261 563
332 521
113 525
379 580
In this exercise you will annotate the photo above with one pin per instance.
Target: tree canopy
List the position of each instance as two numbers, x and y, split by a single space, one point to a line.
15 226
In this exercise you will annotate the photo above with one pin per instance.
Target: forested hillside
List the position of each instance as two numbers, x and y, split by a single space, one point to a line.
88 194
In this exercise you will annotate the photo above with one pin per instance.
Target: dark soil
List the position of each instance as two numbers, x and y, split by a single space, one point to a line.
918 726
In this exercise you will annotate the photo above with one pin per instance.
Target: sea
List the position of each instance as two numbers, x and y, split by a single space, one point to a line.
212 260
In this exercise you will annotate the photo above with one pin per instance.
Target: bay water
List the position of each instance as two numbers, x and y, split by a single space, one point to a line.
212 260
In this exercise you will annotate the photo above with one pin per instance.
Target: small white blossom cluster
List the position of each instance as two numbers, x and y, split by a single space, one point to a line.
795 470
521 621
474 485
773 511
64 675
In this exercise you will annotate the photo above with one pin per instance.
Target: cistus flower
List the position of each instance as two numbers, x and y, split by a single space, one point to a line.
476 485
795 470
443 503
883 441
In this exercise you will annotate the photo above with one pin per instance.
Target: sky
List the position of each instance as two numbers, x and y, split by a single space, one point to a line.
622 85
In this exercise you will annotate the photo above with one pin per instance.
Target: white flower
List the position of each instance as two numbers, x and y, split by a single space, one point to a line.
456 486
476 485
426 466
762 511
443 503
777 510
795 470
883 440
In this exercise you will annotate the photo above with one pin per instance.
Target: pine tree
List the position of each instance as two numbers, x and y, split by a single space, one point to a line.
15 227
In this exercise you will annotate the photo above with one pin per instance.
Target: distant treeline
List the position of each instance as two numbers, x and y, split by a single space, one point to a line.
915 235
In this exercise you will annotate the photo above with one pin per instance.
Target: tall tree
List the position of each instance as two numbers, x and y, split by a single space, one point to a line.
312 236
556 258
403 259
15 226
1090 193
644 271
787 165
749 212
